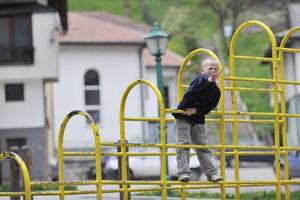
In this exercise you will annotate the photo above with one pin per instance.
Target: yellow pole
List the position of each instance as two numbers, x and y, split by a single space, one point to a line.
24 169
233 91
283 107
162 136
97 153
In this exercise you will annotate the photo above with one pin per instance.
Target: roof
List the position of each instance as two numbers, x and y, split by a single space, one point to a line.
109 29
170 59
23 8
84 29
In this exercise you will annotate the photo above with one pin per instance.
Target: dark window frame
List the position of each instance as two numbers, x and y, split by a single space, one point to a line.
19 142
92 85
12 97
18 55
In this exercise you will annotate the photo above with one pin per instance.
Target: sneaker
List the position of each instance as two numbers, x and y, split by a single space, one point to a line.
215 178
184 178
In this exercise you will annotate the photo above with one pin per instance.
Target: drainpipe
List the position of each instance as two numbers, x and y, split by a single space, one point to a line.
141 75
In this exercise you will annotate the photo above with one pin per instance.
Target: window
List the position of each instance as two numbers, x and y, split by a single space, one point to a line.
92 94
14 92
19 142
16 39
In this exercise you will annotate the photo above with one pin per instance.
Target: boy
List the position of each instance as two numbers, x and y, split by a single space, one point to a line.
202 96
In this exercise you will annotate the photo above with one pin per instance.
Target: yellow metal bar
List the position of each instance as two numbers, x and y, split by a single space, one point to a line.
207 120
97 151
245 89
41 183
289 50
24 169
183 192
263 80
79 153
251 147
290 148
195 146
289 82
253 57
162 135
143 145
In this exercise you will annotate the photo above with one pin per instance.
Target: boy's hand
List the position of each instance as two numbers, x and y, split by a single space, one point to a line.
189 111
213 76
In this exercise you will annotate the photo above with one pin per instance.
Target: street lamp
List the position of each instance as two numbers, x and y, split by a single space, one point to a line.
157 41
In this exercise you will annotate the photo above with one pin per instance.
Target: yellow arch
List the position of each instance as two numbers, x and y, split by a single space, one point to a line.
162 135
97 149
273 59
21 163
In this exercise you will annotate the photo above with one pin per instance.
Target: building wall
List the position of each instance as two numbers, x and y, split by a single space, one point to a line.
23 114
45 27
36 139
117 66
26 119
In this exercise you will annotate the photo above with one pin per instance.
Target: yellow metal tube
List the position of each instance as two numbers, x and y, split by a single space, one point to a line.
24 169
252 57
97 151
232 77
162 135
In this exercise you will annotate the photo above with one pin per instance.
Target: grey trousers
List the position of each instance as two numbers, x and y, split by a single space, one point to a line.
187 133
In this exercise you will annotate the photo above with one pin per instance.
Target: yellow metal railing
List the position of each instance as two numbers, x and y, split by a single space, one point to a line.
61 183
26 177
97 154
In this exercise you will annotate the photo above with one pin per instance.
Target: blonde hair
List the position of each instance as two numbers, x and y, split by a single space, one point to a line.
209 62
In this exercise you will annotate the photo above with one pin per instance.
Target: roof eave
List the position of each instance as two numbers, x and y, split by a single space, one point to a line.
135 43
169 66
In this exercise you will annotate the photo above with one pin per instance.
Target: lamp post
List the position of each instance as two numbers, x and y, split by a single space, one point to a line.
157 41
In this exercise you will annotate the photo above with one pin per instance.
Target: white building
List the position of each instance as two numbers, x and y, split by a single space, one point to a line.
99 56
28 59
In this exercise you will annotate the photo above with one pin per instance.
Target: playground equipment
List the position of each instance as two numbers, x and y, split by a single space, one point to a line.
277 118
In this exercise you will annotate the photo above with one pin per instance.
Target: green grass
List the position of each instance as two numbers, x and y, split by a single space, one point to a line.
157 8
6 188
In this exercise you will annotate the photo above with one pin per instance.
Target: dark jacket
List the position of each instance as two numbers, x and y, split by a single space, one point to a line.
202 95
